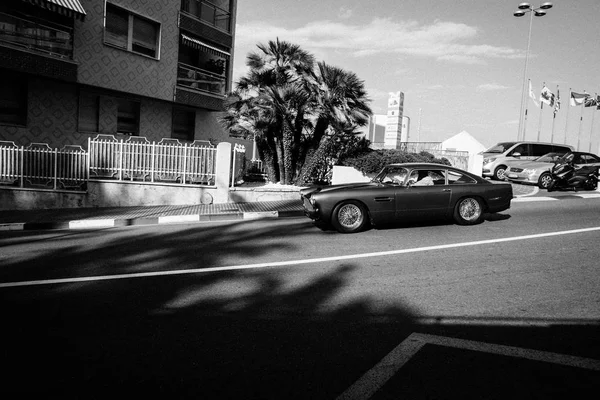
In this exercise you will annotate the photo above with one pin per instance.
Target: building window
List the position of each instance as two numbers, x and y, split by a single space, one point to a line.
214 12
131 32
13 99
89 106
184 124
128 117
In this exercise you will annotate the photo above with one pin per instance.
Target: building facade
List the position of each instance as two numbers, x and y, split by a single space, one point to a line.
73 69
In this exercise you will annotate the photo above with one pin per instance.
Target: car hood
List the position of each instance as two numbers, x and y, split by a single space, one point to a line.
332 188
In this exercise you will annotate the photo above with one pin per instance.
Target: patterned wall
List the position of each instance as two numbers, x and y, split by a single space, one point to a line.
111 68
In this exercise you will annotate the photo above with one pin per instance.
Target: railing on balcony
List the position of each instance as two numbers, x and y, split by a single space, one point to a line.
37 37
208 12
200 79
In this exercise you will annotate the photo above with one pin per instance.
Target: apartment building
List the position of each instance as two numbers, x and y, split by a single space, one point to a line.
73 69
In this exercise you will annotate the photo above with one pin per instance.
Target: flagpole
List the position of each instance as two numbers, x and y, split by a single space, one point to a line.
567 123
556 104
526 109
580 123
541 112
592 127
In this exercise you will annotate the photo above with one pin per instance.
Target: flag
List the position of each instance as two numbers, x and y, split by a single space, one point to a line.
577 99
547 96
591 101
557 102
532 95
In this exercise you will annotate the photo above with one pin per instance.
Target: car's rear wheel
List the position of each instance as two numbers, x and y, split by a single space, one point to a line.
349 217
544 180
499 173
468 211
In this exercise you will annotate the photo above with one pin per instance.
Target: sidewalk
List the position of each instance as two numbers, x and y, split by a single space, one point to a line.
80 218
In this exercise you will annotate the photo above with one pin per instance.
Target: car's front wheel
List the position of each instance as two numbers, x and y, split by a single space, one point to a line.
468 211
349 217
545 180
499 173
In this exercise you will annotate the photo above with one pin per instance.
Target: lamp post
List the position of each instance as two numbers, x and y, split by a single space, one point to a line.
525 8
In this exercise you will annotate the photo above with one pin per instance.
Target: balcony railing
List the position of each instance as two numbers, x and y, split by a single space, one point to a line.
34 36
200 79
208 12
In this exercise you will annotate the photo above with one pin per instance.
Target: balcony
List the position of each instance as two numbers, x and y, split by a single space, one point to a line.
200 80
208 13
35 37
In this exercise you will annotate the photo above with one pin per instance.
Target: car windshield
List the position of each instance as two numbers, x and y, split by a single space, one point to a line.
500 147
550 157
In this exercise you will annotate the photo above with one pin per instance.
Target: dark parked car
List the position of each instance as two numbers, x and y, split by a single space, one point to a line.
406 191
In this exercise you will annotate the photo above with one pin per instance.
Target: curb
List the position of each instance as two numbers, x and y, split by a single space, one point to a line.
165 220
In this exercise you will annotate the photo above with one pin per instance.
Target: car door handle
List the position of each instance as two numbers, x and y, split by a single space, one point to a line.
446 190
383 199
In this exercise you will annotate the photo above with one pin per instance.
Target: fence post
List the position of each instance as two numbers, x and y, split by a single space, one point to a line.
121 160
222 170
22 166
55 168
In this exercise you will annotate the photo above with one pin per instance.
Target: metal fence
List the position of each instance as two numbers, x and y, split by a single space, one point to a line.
134 159
137 159
39 166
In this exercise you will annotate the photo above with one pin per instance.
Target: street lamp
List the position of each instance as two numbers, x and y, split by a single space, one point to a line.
525 8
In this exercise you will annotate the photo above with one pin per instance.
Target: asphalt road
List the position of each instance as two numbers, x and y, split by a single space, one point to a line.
277 309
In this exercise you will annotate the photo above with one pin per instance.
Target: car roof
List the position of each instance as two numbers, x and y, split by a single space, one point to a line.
420 164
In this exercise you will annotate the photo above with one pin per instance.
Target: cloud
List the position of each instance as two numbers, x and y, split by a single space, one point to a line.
491 87
345 13
440 40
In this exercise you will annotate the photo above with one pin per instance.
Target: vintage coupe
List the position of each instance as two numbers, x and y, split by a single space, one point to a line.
406 192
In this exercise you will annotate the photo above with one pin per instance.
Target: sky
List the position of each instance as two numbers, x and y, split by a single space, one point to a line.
460 63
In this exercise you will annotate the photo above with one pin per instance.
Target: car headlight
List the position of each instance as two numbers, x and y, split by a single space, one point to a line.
488 160
312 200
529 171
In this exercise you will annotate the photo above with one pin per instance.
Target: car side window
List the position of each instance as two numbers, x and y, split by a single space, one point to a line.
539 150
427 177
456 178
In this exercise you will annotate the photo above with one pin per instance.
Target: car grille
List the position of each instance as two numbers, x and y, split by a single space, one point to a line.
307 204
516 170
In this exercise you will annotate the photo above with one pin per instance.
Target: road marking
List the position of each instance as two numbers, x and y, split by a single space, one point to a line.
374 379
531 199
295 262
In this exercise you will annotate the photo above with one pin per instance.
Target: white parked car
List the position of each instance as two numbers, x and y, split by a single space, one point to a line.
537 172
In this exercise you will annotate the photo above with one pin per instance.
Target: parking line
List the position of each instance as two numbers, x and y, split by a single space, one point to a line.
294 262
374 379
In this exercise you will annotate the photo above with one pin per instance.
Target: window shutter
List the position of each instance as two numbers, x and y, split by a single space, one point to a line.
117 27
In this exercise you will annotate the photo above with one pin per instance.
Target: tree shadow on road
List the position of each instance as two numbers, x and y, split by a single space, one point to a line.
292 332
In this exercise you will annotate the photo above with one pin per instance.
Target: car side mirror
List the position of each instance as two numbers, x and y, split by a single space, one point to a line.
517 155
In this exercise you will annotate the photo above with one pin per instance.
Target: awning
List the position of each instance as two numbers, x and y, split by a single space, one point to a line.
69 8
195 43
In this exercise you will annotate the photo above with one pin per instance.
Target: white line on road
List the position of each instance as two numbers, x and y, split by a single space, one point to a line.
294 262
377 376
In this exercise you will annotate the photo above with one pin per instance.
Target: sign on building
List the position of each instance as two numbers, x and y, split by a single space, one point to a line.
393 127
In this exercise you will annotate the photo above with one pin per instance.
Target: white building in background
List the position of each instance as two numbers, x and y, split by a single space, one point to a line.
375 131
463 141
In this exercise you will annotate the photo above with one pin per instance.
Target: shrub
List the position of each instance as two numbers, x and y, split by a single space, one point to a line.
373 161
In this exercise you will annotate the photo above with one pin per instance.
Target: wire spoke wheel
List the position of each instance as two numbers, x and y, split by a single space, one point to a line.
349 217
468 211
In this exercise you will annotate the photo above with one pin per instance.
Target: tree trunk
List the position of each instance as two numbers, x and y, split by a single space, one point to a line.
288 157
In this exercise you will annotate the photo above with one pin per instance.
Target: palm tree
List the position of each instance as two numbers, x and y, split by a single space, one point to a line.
341 106
290 109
